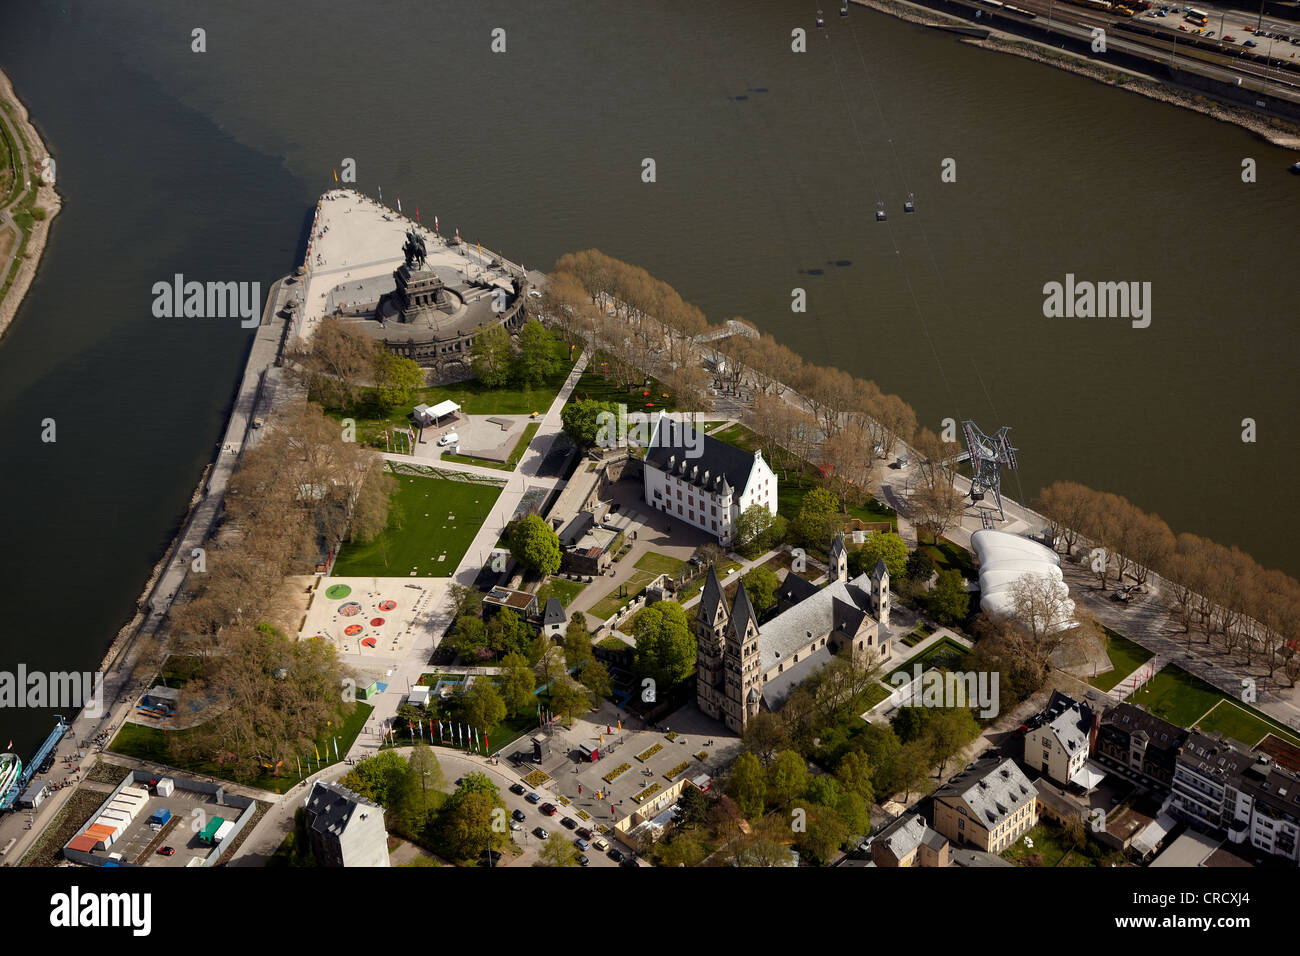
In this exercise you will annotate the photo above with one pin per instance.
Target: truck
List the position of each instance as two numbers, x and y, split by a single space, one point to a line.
223 831
159 817
210 831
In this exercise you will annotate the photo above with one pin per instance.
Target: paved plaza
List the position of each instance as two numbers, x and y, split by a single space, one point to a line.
373 621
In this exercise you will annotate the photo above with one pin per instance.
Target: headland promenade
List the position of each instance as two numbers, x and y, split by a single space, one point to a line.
28 210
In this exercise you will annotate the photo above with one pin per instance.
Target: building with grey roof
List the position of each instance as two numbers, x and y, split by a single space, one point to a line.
989 806
1059 746
909 841
554 618
345 828
1141 744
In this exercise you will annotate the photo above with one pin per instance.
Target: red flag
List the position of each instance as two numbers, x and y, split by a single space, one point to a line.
417 213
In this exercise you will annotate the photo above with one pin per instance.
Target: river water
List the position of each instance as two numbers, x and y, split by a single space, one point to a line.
769 165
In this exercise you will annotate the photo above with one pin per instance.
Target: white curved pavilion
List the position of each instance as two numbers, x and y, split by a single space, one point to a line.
1005 558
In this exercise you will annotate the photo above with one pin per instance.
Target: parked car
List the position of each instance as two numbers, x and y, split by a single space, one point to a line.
601 844
569 823
583 861
518 789
1249 43
550 809
585 833
518 815
615 855
541 833
516 825
167 851
533 798
580 843
483 858
630 861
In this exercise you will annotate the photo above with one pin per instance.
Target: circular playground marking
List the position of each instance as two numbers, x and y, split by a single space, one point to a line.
351 609
336 592
388 606
352 630
376 622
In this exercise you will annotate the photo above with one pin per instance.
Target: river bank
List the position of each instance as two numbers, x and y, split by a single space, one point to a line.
33 154
1274 131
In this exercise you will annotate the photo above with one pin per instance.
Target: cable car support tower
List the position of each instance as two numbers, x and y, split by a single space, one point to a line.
988 455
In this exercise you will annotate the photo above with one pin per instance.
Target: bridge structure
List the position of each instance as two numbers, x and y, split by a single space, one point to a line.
30 769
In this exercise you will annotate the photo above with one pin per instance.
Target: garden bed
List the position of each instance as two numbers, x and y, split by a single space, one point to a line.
680 768
645 755
537 778
617 772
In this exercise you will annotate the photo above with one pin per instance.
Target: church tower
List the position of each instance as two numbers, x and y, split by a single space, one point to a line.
839 569
744 678
880 591
711 631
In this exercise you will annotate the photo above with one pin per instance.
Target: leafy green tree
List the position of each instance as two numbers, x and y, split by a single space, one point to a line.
682 849
856 774
665 647
855 812
912 769
507 633
949 601
491 355
761 585
577 642
919 566
909 722
818 519
428 772
468 636
824 791
556 850
748 786
539 355
764 736
582 420
752 528
466 822
693 806
534 544
397 379
888 546
949 732
517 683
786 778
568 699
595 677
377 778
820 842
482 707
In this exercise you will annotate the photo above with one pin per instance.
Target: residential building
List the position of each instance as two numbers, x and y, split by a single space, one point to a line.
909 841
703 481
1058 747
1223 788
345 829
1140 743
990 806
523 603
554 618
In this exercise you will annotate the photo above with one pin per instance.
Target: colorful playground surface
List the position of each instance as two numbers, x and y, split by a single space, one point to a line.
372 616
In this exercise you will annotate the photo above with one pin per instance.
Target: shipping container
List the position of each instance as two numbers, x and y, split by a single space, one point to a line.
165 787
211 829
224 831
160 816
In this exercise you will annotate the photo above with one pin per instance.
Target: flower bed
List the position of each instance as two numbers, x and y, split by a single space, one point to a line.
584 815
537 778
645 755
564 801
671 735
646 792
702 756
617 772
676 770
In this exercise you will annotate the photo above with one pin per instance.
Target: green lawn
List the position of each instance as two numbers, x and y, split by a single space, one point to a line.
1233 720
1125 655
696 587
566 591
439 518
949 556
510 463
150 743
1051 846
945 653
658 563
594 385
606 606
1177 696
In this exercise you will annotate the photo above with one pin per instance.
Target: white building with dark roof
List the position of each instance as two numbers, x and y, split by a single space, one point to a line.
345 828
703 481
1059 746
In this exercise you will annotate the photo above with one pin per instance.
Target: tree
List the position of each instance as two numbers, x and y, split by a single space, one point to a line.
468 637
949 602
937 507
786 778
556 850
818 519
568 699
665 647
466 828
761 585
693 806
753 528
517 683
540 355
856 774
919 566
577 642
764 736
595 677
888 546
490 356
912 768
507 633
948 732
748 785
824 836
589 422
396 380
482 707
535 545
682 849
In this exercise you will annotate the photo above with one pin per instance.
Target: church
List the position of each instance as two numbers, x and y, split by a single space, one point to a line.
741 668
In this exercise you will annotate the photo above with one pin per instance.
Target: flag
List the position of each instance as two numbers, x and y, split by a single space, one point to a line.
317 749
430 728
620 725
336 748
417 213
485 743
381 193
399 203
336 175
435 223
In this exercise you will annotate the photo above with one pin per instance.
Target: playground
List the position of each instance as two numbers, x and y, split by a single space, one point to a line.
379 617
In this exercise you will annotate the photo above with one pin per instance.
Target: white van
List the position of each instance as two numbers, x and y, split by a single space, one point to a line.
451 438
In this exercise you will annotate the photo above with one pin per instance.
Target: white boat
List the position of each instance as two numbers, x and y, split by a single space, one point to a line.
11 769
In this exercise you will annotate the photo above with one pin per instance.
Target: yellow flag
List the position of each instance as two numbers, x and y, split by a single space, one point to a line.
336 175
317 749
620 725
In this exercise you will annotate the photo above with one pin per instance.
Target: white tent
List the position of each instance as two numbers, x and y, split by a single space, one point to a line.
1003 559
